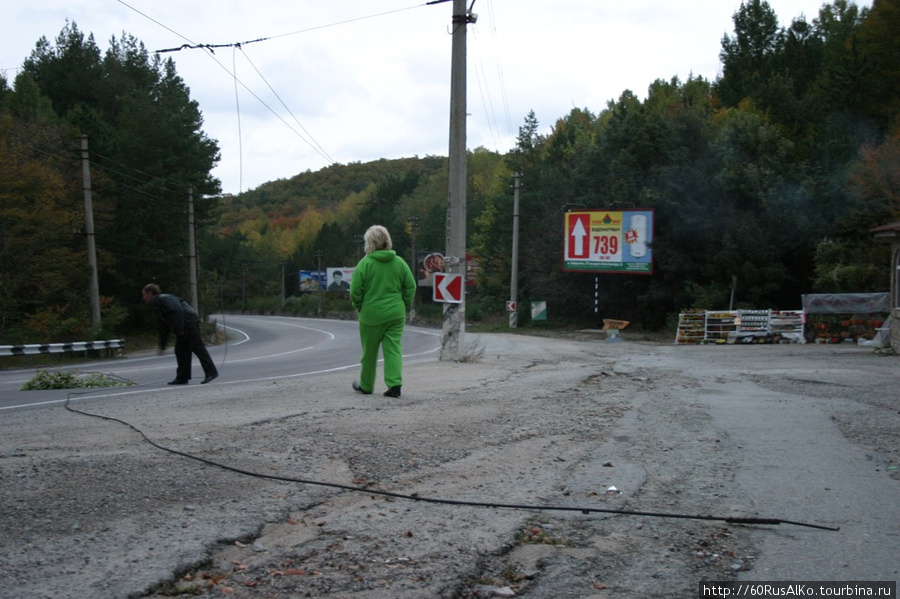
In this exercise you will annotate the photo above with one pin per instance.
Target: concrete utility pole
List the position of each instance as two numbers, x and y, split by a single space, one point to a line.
413 223
454 327
282 285
89 232
319 254
192 251
514 276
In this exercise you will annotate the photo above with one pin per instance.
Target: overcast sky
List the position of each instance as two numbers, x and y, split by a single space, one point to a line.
357 80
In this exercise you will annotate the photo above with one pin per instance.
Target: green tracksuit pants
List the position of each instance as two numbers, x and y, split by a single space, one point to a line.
387 336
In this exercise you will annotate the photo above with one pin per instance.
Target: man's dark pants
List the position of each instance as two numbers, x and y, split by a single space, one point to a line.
185 345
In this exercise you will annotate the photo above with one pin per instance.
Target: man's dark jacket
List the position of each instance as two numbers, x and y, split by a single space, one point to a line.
174 315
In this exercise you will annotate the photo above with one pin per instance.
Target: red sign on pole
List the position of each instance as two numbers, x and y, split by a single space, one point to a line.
447 288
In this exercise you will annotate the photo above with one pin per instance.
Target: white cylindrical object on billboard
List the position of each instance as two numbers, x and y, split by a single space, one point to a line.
638 249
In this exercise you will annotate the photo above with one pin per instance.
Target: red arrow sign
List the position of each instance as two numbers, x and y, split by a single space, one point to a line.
447 288
579 232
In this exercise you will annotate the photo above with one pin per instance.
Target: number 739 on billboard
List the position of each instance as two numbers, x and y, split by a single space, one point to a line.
616 241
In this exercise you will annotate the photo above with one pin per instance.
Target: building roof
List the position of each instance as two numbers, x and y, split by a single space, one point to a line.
888 230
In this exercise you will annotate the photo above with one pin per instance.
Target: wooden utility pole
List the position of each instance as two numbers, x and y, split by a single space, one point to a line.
454 327
89 232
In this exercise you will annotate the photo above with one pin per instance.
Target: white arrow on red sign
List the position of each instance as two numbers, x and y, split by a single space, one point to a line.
447 288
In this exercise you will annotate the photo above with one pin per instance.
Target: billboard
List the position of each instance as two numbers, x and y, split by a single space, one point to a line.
428 263
311 280
608 241
338 279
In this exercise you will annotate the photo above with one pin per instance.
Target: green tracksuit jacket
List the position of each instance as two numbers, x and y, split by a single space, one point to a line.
382 287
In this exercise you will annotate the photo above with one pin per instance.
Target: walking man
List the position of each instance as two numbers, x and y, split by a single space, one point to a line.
176 315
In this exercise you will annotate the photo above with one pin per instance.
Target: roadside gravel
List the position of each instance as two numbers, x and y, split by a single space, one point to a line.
91 509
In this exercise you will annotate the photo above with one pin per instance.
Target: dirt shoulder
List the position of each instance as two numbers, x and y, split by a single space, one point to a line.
91 509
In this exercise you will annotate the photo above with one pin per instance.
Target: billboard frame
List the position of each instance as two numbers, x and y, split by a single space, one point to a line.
608 241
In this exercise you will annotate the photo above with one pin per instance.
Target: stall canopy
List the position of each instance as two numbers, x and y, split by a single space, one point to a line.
847 303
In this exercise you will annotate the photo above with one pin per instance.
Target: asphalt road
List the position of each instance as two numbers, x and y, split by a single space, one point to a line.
259 348
799 433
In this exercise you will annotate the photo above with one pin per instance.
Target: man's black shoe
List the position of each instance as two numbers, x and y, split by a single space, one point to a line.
393 391
208 378
178 382
358 389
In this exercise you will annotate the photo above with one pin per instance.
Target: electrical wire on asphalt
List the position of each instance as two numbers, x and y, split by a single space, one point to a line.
435 500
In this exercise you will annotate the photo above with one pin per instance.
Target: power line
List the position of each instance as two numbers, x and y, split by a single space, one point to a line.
319 148
237 103
233 74
501 80
191 45
211 47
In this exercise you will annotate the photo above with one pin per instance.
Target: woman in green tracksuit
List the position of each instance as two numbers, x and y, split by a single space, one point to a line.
381 289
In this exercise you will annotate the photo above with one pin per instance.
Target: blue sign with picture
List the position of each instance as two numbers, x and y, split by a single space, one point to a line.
311 280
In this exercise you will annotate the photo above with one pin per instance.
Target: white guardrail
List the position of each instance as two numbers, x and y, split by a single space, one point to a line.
58 348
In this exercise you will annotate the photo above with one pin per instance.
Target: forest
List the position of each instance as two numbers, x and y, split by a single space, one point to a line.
764 184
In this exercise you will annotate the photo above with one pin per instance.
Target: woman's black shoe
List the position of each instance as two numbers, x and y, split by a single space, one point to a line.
178 382
393 392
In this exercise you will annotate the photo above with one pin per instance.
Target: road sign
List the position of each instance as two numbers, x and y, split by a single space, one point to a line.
447 288
510 306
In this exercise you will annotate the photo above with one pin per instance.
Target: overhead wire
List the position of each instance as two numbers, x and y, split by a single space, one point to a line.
309 139
486 99
232 73
346 21
150 180
501 81
312 144
321 150
124 173
240 136
109 165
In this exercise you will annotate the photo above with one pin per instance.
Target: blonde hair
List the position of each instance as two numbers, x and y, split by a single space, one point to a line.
377 238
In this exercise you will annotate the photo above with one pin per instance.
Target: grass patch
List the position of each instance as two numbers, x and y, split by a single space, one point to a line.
538 535
72 379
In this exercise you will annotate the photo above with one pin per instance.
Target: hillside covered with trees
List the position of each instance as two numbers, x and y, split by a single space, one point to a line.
771 176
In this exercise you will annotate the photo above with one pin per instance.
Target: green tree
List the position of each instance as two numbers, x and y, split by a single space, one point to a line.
879 48
43 265
147 151
747 58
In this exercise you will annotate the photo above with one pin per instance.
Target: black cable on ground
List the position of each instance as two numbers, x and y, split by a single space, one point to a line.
479 504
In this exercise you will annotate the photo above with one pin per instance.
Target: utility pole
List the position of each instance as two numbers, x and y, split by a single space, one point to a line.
413 223
358 240
282 285
192 250
454 326
243 287
319 254
514 276
89 232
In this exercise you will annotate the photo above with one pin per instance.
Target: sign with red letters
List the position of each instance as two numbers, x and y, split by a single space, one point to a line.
609 241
